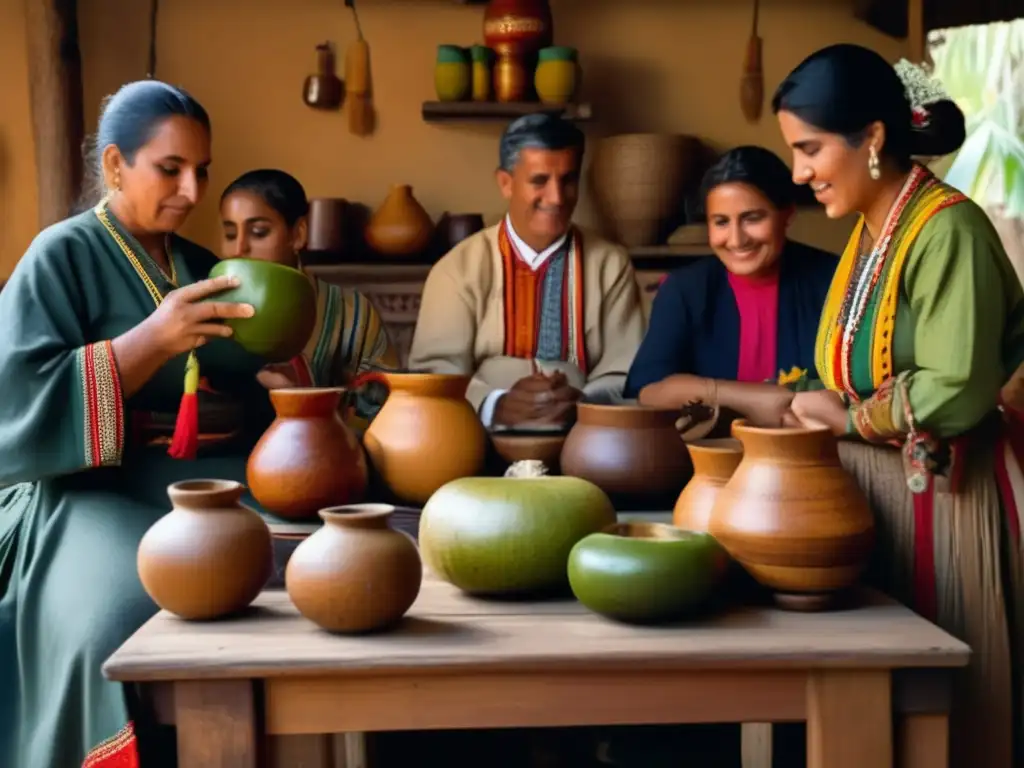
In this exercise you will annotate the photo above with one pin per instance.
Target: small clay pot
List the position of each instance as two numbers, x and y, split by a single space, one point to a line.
400 226
793 517
631 452
524 447
307 459
210 555
714 461
355 574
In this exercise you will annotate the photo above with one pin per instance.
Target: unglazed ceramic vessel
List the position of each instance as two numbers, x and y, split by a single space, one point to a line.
209 556
401 226
793 517
307 459
714 462
425 435
355 574
631 452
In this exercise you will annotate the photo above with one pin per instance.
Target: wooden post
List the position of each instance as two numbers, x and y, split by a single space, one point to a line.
55 97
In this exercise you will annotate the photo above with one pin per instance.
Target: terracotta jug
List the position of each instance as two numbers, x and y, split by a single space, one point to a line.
426 435
400 227
631 452
714 462
210 555
793 517
355 574
307 459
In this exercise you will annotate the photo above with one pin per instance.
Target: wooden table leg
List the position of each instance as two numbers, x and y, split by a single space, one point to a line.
216 723
849 719
922 741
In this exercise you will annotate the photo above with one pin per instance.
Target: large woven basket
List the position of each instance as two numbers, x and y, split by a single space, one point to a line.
639 182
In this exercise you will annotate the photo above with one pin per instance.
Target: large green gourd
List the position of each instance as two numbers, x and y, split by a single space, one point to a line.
285 303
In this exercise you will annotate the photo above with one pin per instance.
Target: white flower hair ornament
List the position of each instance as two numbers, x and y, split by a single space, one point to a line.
922 90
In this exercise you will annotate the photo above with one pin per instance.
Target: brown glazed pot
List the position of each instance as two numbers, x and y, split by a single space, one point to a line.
210 555
401 226
307 459
427 433
793 517
631 452
714 462
355 574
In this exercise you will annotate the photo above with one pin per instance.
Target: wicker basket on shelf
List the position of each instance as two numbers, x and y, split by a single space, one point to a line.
639 182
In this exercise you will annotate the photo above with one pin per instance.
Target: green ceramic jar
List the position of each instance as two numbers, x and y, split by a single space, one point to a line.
285 304
452 73
557 74
646 572
482 57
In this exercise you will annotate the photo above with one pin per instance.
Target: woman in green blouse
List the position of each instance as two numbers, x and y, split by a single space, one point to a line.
922 328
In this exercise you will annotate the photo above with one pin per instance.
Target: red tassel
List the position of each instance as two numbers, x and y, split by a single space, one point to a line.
185 443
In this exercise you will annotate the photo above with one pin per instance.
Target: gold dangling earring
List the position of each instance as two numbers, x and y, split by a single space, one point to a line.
874 171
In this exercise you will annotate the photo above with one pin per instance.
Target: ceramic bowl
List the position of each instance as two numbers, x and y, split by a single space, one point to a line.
523 446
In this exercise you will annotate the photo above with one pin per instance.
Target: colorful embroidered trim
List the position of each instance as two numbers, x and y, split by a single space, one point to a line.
120 751
103 405
521 341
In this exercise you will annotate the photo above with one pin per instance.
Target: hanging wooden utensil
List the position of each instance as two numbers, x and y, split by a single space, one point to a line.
357 81
752 82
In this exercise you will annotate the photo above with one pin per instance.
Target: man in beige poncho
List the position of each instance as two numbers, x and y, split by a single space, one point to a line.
540 313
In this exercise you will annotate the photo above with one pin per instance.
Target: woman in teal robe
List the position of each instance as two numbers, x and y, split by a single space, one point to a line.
98 318
923 326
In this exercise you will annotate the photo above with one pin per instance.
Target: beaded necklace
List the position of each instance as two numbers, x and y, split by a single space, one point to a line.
133 259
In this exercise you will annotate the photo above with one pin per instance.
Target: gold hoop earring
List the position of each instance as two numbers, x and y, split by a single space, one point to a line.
874 171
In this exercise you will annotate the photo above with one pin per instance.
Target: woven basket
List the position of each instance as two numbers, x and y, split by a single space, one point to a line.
639 182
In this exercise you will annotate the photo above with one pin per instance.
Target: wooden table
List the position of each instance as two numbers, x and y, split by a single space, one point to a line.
457 662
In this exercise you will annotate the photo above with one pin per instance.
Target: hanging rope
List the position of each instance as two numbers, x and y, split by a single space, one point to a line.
154 9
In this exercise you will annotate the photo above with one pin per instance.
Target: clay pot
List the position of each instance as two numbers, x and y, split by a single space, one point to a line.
632 452
714 462
426 435
453 228
328 217
355 574
210 555
793 517
518 27
646 572
400 226
285 304
511 79
640 181
526 446
307 459
324 89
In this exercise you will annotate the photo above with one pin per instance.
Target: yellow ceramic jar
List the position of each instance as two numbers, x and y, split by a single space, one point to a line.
482 57
557 74
451 73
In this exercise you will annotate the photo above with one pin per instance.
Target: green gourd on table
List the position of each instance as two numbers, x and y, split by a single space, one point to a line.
285 302
507 535
646 572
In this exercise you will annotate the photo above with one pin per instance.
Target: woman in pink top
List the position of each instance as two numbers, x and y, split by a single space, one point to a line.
735 328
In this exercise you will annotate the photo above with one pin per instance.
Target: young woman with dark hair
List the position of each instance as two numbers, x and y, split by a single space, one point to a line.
725 329
264 215
923 326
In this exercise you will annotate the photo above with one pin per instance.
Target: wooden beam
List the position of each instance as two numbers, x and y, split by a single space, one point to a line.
55 97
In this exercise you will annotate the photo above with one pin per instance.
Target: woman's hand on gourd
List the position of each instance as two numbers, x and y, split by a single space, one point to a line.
184 321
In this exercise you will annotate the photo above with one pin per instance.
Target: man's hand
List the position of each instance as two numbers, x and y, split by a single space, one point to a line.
537 399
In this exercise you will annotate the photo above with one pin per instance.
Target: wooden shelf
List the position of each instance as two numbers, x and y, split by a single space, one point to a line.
463 111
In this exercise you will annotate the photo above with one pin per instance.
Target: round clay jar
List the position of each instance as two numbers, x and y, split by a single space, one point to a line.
210 556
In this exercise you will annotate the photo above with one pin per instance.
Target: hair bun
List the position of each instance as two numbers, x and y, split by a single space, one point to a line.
938 126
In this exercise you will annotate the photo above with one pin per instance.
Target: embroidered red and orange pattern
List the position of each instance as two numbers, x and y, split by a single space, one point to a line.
103 405
121 751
